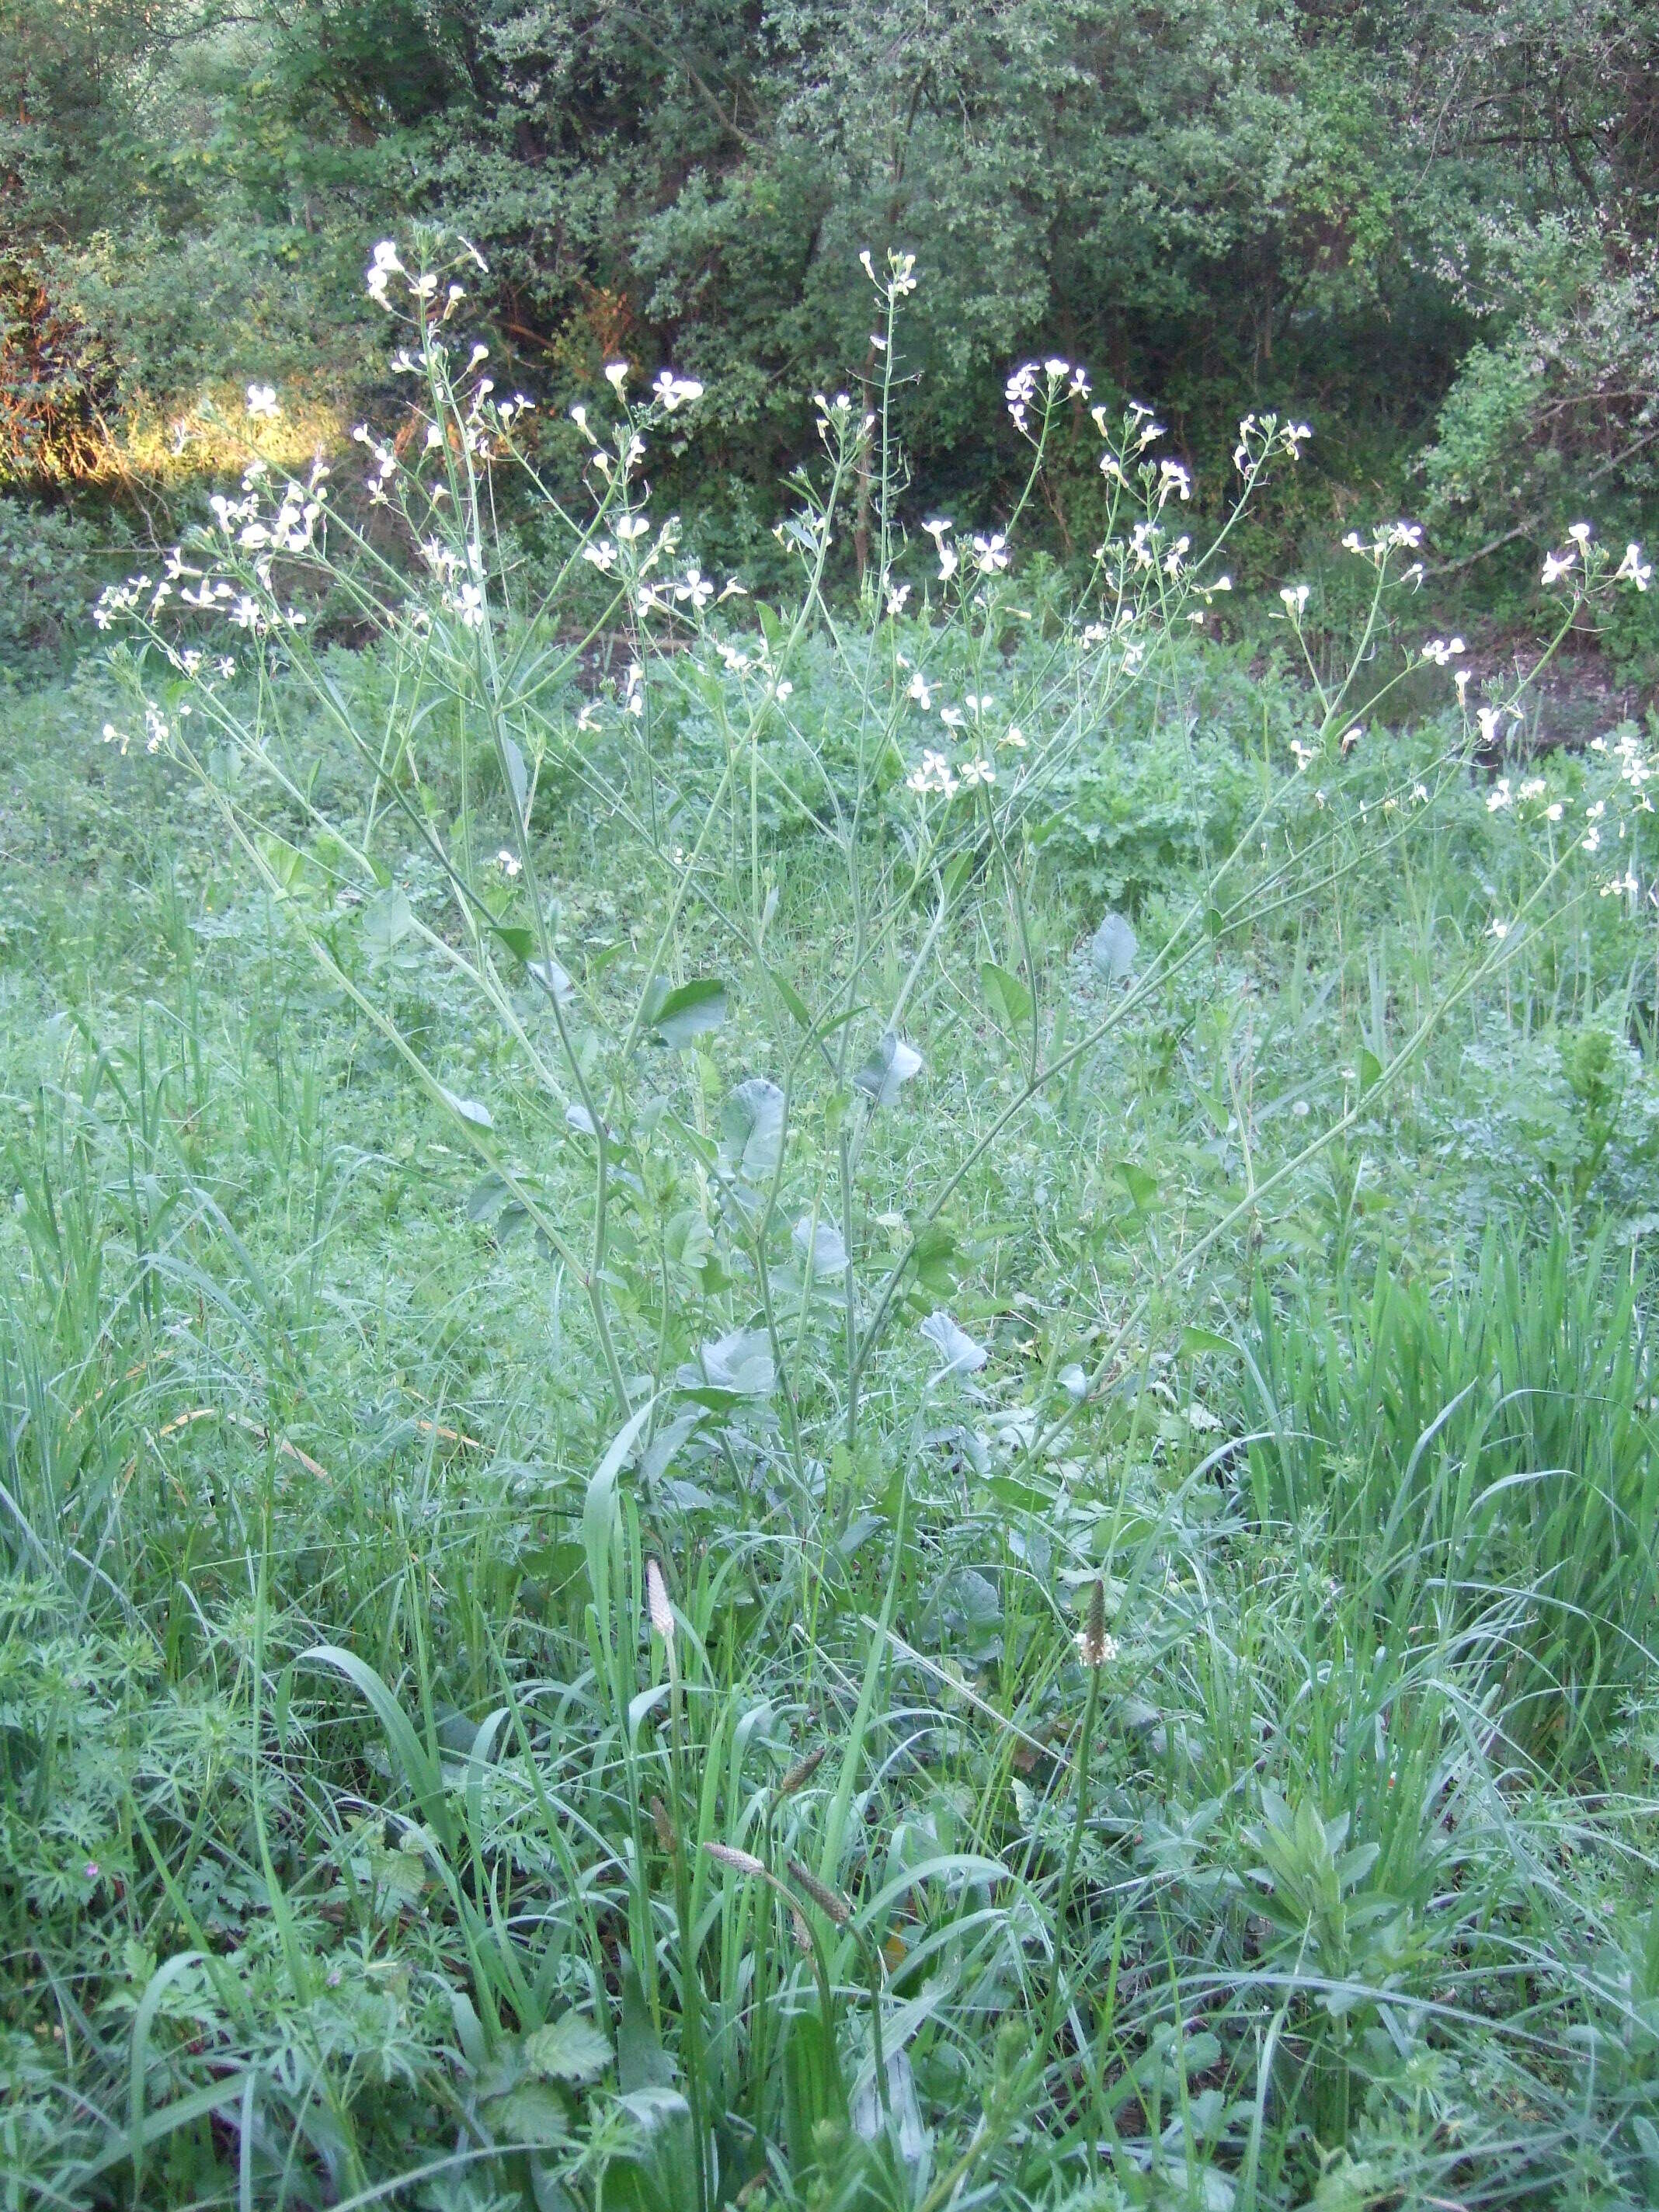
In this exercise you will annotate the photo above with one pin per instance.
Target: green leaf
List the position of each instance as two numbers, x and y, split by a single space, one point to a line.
934 1257
487 1198
1005 995
679 1016
518 781
534 2113
740 1362
751 1130
518 940
792 999
889 1068
641 2062
469 1110
1371 1069
571 2049
387 922
408 1754
1112 949
1195 1342
1141 1187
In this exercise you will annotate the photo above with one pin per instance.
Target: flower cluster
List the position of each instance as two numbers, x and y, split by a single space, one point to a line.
1045 384
420 286
1582 556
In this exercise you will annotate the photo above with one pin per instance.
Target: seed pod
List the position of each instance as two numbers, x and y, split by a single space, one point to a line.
664 1825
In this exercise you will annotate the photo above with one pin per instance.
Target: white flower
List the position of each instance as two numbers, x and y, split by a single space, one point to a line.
918 689
616 375
1556 565
1633 570
1294 596
897 596
978 771
507 862
671 391
469 604
1580 534
1013 736
933 775
1441 651
990 554
262 402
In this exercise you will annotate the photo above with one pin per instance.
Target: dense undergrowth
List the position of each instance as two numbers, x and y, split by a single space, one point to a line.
739 1465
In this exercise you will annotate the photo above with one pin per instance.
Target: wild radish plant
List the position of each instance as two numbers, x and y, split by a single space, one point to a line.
721 1125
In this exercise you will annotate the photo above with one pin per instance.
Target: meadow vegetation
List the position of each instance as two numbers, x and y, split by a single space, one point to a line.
838 1397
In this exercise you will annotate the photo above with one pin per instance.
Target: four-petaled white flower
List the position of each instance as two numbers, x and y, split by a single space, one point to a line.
262 402
671 391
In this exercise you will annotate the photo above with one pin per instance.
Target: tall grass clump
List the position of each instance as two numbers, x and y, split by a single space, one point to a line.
1493 1447
838 1757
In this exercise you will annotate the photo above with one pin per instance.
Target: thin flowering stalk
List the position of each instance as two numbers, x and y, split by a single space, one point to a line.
1502 948
1096 1648
660 1615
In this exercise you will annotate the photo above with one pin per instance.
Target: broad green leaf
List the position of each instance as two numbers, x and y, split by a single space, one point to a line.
751 1130
1112 949
679 1016
469 1110
534 2113
570 2048
1141 1187
388 921
1195 1341
821 1248
889 1068
740 1362
961 1353
1005 995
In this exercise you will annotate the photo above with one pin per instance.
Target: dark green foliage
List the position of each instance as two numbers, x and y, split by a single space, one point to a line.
1217 205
